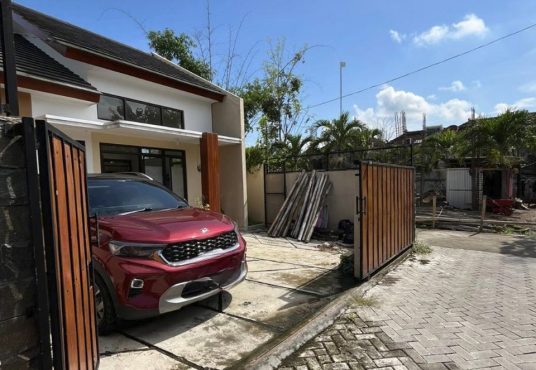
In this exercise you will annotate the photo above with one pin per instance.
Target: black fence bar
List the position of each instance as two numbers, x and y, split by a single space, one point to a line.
341 160
43 304
8 53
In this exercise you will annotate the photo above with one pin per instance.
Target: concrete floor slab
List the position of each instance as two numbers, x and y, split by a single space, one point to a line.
118 351
317 282
280 250
204 337
287 282
276 307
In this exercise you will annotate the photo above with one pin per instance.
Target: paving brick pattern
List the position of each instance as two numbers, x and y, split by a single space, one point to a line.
453 309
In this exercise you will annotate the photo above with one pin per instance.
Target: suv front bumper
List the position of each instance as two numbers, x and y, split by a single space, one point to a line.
188 292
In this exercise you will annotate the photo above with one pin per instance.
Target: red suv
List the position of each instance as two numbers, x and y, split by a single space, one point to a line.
153 253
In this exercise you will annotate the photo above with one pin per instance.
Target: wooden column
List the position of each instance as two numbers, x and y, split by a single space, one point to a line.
210 171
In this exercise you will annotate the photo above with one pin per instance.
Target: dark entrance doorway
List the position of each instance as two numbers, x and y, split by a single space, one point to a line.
492 185
167 166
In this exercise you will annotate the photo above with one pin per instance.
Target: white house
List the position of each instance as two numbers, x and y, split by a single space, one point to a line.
133 111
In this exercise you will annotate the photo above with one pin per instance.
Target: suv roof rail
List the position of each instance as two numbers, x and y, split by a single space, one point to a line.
139 174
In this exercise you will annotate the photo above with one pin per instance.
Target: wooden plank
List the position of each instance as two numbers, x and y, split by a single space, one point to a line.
385 217
390 209
399 209
66 277
57 321
376 217
81 247
371 224
210 170
394 188
381 205
74 248
85 212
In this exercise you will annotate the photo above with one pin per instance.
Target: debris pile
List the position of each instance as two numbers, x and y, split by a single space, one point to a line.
301 210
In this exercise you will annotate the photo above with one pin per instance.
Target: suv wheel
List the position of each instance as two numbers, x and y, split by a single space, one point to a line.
104 309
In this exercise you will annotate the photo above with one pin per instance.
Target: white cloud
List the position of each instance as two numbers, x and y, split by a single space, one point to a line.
455 86
528 87
470 25
390 101
397 36
525 103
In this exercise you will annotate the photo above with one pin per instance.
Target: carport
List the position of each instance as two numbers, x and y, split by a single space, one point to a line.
287 282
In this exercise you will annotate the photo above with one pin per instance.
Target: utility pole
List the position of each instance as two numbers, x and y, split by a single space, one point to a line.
11 107
341 66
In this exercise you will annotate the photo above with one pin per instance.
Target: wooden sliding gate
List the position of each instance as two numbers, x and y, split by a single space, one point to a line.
385 213
64 206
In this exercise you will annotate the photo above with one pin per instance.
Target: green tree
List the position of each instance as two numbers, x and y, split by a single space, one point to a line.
272 102
500 140
339 134
443 145
179 49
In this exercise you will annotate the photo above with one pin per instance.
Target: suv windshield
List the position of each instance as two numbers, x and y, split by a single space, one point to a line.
113 197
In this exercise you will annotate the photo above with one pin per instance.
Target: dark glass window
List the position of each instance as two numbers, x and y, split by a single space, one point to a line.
142 112
172 118
110 108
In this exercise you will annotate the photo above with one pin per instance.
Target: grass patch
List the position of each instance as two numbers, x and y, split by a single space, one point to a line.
421 248
516 230
363 301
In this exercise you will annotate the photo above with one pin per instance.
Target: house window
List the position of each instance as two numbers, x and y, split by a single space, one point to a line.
112 108
165 166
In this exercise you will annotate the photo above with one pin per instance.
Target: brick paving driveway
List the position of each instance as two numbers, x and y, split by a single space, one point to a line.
448 310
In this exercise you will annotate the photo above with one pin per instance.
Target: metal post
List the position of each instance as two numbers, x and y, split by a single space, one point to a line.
341 66
8 51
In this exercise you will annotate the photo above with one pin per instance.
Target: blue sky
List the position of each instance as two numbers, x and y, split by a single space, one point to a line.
378 40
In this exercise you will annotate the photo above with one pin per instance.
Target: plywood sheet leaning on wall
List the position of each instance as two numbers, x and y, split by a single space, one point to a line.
300 211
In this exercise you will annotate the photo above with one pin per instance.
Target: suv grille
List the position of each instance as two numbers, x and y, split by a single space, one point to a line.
194 248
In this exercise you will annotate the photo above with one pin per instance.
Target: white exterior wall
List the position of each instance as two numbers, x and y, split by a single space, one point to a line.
197 109
44 103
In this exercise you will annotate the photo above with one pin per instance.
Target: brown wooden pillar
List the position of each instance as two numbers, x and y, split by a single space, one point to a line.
210 170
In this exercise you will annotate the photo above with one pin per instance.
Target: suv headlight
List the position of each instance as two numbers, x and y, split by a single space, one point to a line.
127 249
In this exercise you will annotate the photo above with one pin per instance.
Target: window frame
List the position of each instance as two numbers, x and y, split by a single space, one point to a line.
160 108
179 153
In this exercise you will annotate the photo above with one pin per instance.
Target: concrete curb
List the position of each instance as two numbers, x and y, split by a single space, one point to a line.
274 352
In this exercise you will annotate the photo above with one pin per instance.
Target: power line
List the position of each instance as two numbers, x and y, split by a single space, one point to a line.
426 67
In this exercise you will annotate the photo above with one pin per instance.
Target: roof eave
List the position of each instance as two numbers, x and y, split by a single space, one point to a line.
81 54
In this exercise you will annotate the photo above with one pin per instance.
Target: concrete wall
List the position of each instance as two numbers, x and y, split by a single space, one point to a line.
255 186
340 200
228 120
19 338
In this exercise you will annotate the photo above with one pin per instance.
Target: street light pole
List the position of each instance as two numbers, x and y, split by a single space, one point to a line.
341 66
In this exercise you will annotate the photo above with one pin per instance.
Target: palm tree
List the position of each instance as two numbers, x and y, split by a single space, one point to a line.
499 140
338 134
443 145
290 150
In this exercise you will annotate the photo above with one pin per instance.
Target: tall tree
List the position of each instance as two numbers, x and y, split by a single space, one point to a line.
500 140
272 102
179 49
